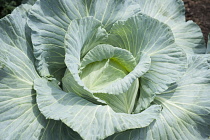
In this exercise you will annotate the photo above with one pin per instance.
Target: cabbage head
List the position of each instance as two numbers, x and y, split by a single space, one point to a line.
103 69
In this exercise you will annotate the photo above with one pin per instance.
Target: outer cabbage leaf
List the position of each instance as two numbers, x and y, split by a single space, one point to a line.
160 10
49 20
91 121
140 35
187 35
20 117
186 108
167 66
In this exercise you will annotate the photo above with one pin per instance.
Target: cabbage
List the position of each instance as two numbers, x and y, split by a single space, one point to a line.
103 69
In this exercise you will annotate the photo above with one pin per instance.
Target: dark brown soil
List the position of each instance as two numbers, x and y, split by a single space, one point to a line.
199 12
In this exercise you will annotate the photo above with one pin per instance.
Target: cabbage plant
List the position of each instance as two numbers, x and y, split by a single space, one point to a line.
103 69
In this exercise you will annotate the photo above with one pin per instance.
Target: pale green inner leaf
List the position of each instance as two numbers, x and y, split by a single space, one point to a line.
104 51
122 103
82 35
105 65
98 75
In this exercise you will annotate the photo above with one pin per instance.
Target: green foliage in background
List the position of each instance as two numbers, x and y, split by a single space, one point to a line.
6 6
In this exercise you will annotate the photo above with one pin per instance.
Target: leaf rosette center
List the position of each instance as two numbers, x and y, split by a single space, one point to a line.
104 65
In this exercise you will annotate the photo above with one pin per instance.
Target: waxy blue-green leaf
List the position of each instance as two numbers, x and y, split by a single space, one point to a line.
17 99
20 117
167 66
91 121
49 21
187 35
142 34
161 10
186 108
48 36
110 11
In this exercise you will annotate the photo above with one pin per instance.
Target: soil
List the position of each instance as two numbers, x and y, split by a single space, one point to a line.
199 12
